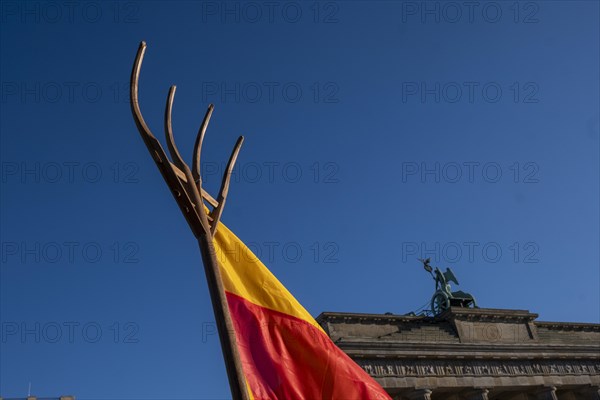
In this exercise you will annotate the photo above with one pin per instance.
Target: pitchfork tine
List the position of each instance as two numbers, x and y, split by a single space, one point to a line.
156 150
135 105
198 146
190 187
216 213
177 160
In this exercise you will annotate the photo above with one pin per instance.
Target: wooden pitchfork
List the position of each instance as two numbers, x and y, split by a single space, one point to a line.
186 187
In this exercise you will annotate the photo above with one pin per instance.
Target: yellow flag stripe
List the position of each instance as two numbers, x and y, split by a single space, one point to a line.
246 276
249 390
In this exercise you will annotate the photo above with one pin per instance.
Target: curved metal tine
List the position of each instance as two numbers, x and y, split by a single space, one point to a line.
216 213
189 185
198 147
150 140
177 159
133 91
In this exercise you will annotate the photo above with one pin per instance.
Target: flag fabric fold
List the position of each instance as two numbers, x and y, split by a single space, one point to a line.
285 353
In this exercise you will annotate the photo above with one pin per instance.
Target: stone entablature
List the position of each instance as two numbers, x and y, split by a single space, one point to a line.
468 353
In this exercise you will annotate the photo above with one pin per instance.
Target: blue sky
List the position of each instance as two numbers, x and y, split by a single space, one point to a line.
376 133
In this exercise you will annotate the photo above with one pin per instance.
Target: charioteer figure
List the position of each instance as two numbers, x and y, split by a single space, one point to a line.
444 297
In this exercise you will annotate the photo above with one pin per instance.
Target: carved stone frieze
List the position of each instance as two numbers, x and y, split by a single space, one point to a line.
441 368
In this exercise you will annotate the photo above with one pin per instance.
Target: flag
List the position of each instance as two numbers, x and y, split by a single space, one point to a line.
285 353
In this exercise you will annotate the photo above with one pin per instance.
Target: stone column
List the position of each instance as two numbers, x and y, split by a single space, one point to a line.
477 394
419 394
547 393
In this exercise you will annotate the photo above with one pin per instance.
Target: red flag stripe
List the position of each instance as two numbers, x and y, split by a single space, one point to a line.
285 357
